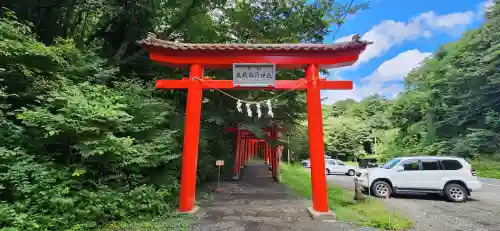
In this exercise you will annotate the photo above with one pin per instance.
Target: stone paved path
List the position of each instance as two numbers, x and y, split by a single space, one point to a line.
258 203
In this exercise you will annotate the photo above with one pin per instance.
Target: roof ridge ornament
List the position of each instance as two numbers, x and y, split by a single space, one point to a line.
356 38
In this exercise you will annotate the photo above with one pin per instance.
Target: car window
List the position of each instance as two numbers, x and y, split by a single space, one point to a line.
340 163
410 165
391 163
451 164
331 162
430 165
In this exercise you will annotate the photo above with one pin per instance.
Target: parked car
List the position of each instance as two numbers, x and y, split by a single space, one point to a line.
453 177
337 166
367 163
307 163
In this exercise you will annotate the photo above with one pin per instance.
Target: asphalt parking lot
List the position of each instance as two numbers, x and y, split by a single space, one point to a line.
432 213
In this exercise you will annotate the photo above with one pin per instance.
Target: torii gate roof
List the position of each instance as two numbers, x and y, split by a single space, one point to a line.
285 56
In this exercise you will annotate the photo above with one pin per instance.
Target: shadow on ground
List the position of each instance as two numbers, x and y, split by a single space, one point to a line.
429 197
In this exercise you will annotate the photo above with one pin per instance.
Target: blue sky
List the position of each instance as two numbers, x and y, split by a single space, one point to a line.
404 33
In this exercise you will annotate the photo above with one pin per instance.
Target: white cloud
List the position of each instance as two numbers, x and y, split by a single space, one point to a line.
386 80
398 67
447 21
390 33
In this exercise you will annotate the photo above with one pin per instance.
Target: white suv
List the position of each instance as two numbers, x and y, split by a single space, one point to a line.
453 177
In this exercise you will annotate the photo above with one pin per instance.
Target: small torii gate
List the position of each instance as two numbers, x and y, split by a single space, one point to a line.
311 57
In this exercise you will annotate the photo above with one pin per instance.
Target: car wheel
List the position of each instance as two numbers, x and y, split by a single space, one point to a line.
351 172
381 189
327 171
455 193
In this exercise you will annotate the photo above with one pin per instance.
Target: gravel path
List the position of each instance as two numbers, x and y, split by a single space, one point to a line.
432 213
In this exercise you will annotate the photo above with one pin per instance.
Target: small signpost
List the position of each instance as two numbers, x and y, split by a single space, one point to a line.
218 163
254 74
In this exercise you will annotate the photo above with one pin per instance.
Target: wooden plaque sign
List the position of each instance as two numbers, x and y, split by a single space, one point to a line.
254 74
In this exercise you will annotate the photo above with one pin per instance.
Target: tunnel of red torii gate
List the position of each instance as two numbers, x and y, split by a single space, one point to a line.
309 57
248 146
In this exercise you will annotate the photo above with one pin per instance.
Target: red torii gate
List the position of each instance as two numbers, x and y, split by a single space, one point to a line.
310 57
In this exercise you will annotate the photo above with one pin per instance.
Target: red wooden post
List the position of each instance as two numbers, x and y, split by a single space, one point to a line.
275 158
246 151
191 139
272 161
276 152
250 147
316 145
266 146
242 152
271 151
237 154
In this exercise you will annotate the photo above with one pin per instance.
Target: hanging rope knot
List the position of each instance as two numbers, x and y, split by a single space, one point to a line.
259 112
240 102
238 106
249 110
270 111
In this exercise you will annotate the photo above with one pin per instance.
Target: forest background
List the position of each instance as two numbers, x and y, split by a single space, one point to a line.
86 139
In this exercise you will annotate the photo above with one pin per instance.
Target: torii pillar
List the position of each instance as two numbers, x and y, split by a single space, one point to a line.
310 57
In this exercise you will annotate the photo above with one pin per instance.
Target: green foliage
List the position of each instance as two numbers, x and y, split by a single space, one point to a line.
77 152
451 103
487 168
344 135
299 141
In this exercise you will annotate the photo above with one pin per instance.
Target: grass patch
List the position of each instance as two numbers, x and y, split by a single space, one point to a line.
366 213
487 168
178 223
352 163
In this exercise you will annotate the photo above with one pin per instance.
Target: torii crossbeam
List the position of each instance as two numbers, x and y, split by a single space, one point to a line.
196 57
